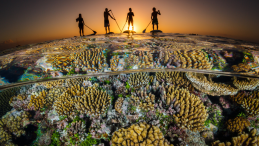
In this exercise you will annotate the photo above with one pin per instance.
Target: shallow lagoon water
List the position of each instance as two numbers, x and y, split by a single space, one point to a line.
145 89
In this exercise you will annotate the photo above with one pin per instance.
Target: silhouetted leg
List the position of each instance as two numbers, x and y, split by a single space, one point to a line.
83 31
109 28
157 27
80 31
128 24
106 29
153 26
132 25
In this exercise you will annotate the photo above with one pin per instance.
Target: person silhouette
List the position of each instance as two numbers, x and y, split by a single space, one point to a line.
154 17
80 21
130 19
106 20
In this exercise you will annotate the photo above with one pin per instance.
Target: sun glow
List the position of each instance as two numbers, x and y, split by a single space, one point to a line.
130 28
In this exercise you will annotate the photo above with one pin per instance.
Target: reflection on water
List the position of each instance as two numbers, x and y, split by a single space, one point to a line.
160 89
162 108
117 52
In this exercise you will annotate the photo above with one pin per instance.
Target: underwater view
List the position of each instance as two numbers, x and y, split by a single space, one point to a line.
149 89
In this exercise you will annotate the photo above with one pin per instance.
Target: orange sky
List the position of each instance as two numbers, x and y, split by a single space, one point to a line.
45 20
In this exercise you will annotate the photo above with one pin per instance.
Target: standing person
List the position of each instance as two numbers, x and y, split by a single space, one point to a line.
130 19
106 20
80 24
154 17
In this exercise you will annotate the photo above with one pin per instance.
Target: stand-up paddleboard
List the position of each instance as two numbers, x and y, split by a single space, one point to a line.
129 31
110 33
156 31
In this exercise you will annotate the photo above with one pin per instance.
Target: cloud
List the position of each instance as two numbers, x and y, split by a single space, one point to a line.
8 41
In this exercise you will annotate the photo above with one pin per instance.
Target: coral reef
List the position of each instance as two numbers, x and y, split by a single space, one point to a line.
137 80
143 100
246 84
196 59
142 59
64 104
93 102
99 128
237 125
77 127
20 102
241 67
118 104
249 102
139 134
251 106
192 114
245 139
200 82
38 100
51 84
54 93
13 123
238 98
173 77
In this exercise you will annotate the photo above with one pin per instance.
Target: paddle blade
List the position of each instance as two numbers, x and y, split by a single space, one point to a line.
95 32
144 31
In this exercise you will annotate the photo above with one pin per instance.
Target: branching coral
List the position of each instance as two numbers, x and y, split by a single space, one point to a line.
118 104
200 82
141 59
51 84
186 59
251 106
20 102
92 59
77 127
238 98
64 104
248 84
249 103
137 80
53 94
93 102
244 139
38 100
145 101
237 125
13 122
139 134
241 67
192 114
176 78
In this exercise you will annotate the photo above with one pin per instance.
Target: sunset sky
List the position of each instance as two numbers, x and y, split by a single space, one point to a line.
41 20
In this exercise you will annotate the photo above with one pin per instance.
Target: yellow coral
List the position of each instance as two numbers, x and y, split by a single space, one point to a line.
93 101
137 80
250 139
192 114
139 134
200 82
118 104
12 124
174 77
237 125
38 100
246 84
